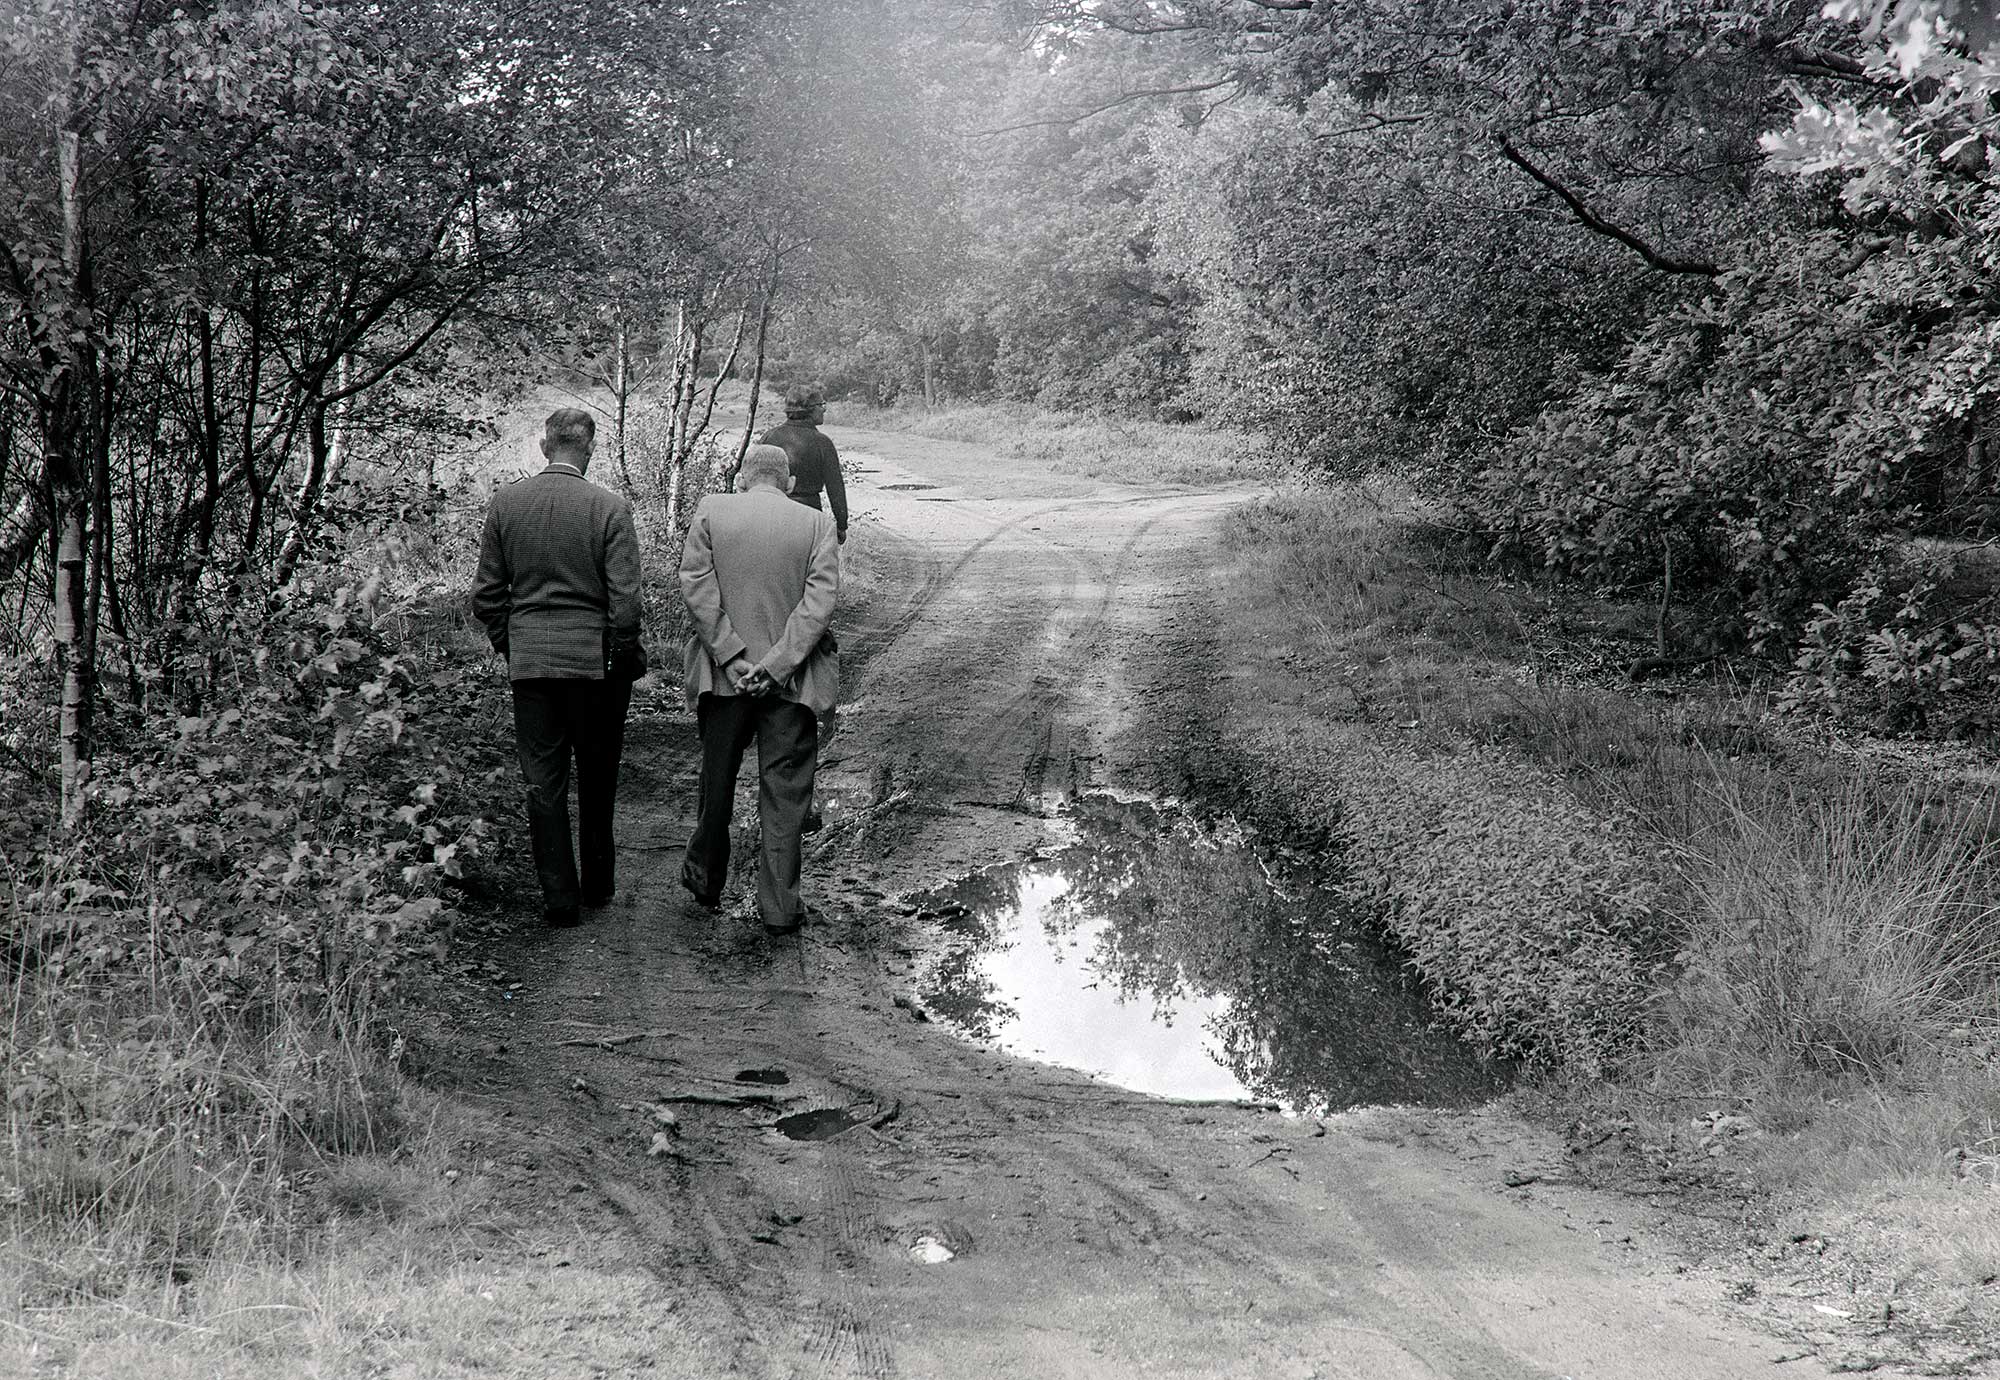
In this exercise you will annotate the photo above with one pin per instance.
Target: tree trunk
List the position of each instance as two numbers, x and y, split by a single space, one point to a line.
929 363
757 372
68 446
74 656
621 388
326 454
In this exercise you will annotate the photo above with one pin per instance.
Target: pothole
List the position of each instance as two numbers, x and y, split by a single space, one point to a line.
1156 952
823 1123
770 1078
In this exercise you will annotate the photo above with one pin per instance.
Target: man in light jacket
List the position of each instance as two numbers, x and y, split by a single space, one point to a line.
558 594
761 576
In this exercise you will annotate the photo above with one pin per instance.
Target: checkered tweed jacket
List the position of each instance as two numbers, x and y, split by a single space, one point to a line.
558 582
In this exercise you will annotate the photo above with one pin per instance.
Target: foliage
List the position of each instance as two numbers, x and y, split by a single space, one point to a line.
1295 230
207 971
1554 262
1774 448
1536 925
247 246
1888 659
301 834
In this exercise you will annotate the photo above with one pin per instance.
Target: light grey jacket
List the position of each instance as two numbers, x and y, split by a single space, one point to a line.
761 576
558 582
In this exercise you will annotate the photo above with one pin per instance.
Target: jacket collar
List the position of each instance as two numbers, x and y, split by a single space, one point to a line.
562 467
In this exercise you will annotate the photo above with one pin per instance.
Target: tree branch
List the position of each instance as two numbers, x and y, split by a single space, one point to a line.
1590 220
1864 249
1126 98
1374 122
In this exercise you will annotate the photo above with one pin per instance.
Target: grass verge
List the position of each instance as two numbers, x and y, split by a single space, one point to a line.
1806 1016
1126 450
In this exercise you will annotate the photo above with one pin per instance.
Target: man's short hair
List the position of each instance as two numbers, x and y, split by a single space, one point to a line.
569 429
764 465
804 400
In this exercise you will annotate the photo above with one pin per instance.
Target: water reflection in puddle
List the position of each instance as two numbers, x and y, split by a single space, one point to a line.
1155 953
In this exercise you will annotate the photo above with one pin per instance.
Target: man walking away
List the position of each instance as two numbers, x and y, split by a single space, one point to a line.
761 576
815 463
558 593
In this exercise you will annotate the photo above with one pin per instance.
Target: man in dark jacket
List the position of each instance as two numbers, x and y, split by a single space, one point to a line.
558 593
815 463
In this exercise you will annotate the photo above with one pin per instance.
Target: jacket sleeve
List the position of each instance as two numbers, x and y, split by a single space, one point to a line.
703 593
815 607
621 577
493 586
836 488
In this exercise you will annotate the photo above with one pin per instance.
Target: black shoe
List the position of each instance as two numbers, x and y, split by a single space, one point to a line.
814 822
710 900
561 917
599 900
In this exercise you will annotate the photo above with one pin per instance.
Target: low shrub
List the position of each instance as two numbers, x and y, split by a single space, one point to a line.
1537 928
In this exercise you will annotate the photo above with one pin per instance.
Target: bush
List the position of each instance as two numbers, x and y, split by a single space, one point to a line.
205 970
1781 452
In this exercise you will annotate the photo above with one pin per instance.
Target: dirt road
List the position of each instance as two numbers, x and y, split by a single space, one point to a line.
1018 637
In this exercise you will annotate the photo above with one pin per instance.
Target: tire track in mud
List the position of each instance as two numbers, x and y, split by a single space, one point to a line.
1024 727
846 1340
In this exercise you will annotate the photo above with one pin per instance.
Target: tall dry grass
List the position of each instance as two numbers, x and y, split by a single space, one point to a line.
1848 928
153 1127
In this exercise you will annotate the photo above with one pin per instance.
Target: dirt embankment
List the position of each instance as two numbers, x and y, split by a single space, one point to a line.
1013 637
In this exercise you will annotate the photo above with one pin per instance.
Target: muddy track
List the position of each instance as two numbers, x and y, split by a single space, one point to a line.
1011 650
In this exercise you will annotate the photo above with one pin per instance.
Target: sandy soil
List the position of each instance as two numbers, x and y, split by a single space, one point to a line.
1017 635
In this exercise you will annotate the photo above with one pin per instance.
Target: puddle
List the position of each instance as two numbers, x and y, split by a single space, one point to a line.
823 1124
1156 954
909 486
770 1078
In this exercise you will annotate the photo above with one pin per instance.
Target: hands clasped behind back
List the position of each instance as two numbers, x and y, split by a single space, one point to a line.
751 680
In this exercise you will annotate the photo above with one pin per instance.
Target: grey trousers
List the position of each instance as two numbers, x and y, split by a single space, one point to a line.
787 737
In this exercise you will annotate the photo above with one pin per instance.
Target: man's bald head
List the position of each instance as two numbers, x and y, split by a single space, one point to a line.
765 467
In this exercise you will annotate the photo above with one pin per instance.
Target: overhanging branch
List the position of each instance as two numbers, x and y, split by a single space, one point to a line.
1590 220
1125 98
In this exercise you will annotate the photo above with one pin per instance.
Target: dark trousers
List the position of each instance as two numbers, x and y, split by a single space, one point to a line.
553 720
787 737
